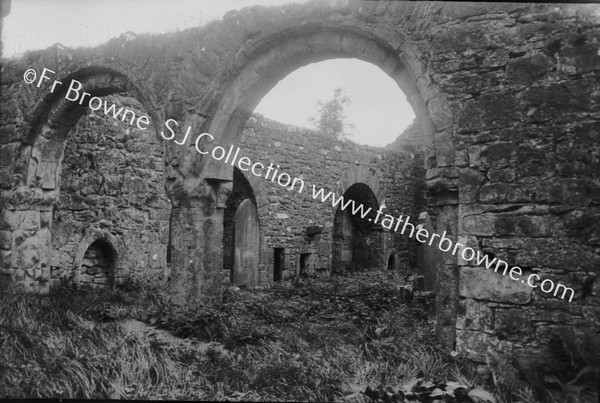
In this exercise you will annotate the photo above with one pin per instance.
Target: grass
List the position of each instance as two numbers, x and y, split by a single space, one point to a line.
310 339
70 345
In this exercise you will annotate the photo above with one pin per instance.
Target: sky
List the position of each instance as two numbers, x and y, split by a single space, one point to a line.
378 109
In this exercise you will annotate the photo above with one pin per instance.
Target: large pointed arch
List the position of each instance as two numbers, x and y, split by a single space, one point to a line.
260 65
40 158
55 116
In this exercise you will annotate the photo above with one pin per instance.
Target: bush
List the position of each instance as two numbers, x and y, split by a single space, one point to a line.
568 370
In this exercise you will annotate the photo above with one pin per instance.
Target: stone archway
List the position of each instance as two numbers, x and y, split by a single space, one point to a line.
98 266
39 164
55 116
356 241
98 259
257 69
472 97
250 74
258 66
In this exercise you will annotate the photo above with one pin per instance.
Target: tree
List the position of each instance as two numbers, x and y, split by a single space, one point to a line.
331 119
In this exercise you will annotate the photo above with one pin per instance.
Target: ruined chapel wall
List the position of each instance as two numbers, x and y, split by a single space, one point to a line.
323 162
524 120
112 189
112 182
512 91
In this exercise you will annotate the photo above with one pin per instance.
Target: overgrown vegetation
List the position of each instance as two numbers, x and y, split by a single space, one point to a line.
350 338
331 120
568 370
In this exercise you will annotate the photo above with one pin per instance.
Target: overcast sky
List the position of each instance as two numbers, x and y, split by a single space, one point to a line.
378 109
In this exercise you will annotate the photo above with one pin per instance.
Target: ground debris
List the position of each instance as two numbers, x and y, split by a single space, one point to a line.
419 390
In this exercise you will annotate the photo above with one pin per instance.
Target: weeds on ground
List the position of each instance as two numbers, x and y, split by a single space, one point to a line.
324 339
567 370
67 344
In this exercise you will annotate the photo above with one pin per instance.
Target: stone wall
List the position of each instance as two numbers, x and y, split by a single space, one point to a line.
112 190
112 182
527 155
286 214
506 96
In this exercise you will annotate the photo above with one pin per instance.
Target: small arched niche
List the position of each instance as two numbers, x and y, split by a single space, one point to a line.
391 262
98 266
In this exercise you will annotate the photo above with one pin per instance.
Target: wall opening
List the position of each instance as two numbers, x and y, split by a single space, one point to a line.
305 264
278 263
98 266
391 263
265 67
356 242
244 268
429 258
241 233
367 87
343 240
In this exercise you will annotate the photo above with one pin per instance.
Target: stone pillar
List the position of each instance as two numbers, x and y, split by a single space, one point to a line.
25 251
196 253
447 277
443 185
197 244
429 258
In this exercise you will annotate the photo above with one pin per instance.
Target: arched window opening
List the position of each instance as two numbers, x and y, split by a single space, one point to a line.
98 266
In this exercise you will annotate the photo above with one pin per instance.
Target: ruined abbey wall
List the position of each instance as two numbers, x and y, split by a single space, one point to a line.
112 190
506 96
112 187
527 142
285 214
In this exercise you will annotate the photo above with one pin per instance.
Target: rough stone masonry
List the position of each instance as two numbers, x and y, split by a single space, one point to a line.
507 159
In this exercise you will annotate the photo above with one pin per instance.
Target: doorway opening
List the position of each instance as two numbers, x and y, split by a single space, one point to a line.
391 264
305 264
278 264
